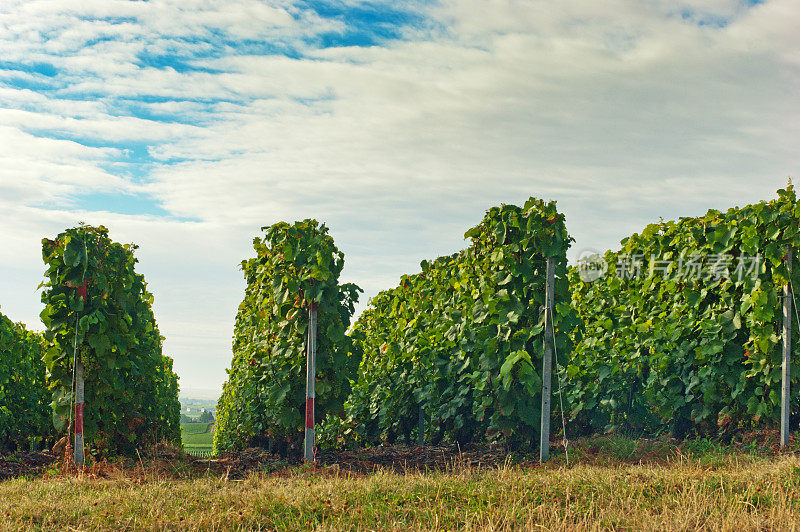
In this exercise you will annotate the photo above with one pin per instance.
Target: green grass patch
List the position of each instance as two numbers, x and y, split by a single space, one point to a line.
197 436
196 428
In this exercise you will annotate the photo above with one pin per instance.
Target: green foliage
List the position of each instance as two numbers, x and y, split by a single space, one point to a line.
24 411
295 266
131 389
693 353
198 437
195 427
464 337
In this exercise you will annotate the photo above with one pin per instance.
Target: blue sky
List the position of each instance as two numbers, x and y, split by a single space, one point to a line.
184 126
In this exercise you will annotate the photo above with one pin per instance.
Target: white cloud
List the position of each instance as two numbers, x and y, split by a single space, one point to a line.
623 111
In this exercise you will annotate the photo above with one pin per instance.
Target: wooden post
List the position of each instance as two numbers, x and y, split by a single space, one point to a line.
787 352
311 363
79 404
421 423
547 363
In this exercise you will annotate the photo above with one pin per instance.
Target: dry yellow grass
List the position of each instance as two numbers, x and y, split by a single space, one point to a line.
728 493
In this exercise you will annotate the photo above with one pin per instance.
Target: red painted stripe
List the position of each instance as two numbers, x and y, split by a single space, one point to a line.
83 291
79 418
309 412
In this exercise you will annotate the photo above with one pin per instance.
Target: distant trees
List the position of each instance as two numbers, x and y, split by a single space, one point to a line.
206 416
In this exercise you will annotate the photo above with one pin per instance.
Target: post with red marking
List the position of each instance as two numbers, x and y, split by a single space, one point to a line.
79 392
311 368
79 412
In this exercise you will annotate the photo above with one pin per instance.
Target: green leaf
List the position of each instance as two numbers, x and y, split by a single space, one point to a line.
509 362
73 251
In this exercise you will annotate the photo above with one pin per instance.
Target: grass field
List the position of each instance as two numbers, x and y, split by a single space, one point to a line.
611 484
197 437
738 495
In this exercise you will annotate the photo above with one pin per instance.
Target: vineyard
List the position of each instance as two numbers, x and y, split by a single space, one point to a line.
669 362
198 438
296 267
96 302
99 325
684 332
24 411
402 266
458 346
678 332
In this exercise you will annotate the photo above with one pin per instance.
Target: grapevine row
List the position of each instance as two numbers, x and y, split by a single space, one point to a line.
95 300
669 348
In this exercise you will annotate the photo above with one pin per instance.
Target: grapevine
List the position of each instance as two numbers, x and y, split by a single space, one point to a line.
24 412
94 298
666 350
463 339
263 400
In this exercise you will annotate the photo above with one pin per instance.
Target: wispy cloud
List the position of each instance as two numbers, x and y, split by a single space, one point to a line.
186 125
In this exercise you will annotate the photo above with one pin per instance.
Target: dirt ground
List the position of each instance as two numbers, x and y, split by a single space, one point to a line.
171 462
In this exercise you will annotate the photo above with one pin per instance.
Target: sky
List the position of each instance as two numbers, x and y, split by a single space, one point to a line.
186 125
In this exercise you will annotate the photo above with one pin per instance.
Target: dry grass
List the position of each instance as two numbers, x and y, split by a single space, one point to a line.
733 492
